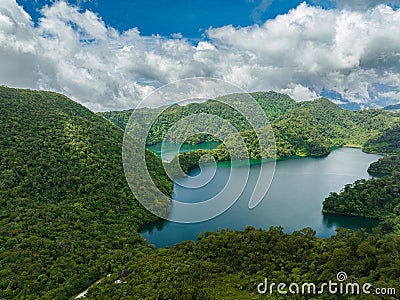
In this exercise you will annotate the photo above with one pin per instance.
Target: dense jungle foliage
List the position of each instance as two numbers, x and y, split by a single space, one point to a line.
273 104
67 214
68 217
230 265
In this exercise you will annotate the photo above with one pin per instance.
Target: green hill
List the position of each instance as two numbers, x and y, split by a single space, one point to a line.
386 142
320 124
304 128
67 215
309 128
274 105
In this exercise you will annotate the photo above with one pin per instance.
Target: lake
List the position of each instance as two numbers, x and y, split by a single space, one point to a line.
293 201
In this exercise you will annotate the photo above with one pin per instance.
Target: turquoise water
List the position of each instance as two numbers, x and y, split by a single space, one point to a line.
293 201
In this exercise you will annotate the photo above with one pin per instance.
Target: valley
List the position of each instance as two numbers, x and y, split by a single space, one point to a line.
68 217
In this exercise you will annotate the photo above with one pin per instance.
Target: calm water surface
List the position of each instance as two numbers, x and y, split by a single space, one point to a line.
293 201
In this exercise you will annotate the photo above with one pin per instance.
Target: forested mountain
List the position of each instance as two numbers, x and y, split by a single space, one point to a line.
388 141
334 124
67 215
304 128
314 127
274 105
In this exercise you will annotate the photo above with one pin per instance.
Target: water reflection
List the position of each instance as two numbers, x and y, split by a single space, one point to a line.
336 221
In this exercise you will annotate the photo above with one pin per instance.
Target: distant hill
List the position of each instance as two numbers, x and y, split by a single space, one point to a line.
274 104
323 120
315 127
392 107
388 141
67 215
300 128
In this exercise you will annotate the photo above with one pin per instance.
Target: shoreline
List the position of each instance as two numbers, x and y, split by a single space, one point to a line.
351 215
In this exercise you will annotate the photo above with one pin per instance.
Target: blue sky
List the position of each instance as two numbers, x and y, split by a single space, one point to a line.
110 54
165 17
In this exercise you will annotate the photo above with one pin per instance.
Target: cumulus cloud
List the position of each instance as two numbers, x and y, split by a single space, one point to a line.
391 95
303 53
300 93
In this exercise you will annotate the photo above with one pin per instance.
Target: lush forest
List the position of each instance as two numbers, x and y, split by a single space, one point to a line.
387 142
68 217
230 265
374 198
274 105
385 166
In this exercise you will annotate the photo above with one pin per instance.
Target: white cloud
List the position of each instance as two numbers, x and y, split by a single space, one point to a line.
300 93
303 52
177 35
391 95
